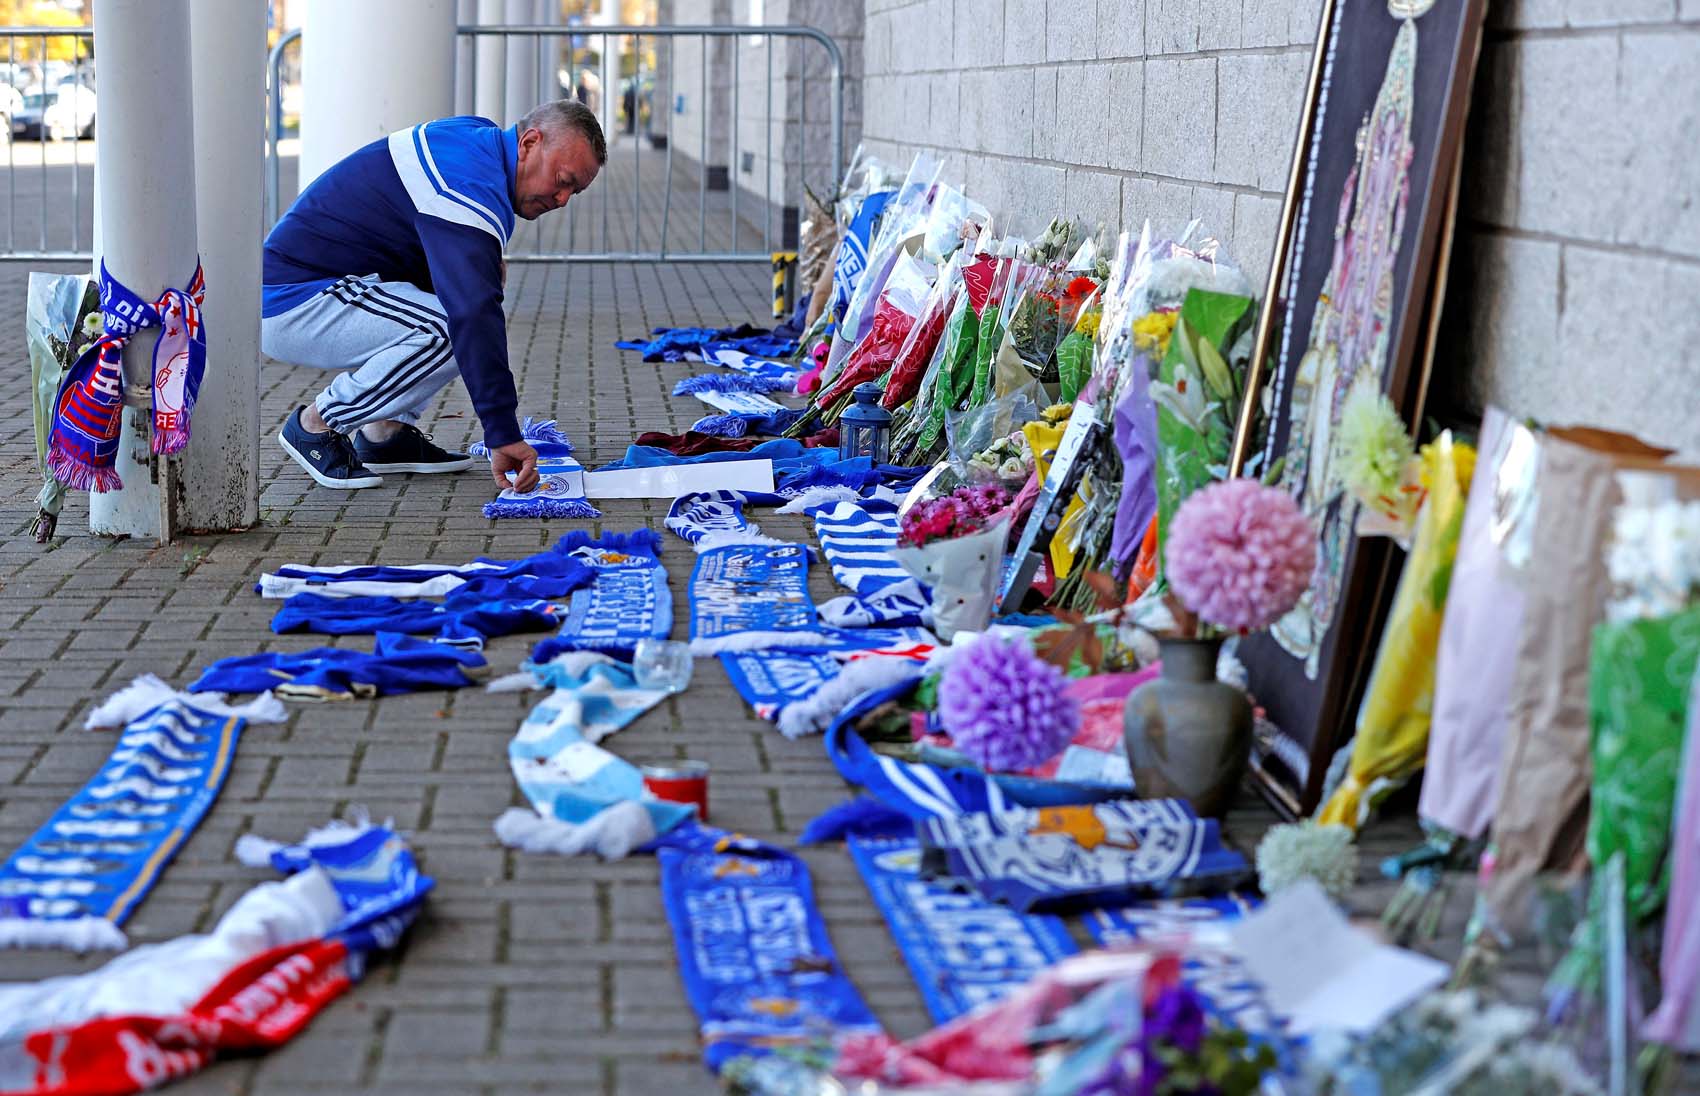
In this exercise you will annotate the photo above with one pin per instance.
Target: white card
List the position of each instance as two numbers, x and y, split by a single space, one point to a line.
1320 972
672 481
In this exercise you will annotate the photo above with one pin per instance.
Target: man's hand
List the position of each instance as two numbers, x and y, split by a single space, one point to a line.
518 458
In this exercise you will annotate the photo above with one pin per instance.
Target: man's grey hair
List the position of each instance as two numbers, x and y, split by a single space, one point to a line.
568 116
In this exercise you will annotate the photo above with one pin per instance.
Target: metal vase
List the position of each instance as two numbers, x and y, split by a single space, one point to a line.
1188 735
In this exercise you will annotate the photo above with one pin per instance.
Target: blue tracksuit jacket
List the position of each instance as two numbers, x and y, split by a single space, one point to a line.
431 205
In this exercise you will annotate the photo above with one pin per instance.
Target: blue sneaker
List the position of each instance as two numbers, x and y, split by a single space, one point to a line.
408 450
329 457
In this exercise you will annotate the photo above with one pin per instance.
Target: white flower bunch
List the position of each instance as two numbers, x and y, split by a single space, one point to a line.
1172 277
1008 458
1654 560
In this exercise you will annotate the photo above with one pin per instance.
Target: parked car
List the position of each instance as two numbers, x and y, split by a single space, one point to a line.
11 103
55 115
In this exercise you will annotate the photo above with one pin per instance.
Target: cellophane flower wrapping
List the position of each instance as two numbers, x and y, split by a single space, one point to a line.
901 303
1198 395
963 574
1638 690
1676 1022
1393 721
917 353
993 324
905 213
1477 654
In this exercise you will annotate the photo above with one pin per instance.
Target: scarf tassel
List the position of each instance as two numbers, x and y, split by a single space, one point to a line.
723 426
541 508
80 475
730 382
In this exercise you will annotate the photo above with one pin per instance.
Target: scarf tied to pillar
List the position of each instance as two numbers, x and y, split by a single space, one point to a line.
83 450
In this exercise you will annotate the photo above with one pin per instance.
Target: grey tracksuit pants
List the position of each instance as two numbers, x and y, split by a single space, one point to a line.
389 339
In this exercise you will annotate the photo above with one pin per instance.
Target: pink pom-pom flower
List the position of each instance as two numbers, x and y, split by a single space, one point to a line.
1004 706
1240 554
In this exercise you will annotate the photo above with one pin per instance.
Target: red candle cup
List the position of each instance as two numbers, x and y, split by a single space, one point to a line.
680 782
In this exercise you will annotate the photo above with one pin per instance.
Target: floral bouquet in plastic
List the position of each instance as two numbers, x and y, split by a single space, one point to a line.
1103 1023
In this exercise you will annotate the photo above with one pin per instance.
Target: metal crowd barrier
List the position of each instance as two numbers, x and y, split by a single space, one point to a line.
44 182
49 190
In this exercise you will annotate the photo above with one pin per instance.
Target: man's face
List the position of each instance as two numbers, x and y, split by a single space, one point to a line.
550 171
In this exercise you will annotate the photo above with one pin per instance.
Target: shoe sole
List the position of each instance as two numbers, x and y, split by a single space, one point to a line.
443 466
323 480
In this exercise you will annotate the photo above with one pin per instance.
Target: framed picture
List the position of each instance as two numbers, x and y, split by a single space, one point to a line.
1360 258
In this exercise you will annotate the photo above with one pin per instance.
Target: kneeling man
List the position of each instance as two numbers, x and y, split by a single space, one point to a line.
389 269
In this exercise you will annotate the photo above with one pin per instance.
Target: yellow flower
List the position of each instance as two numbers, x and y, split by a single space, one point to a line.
1151 332
1087 324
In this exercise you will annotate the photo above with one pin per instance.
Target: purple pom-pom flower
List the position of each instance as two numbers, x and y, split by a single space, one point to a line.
1240 554
1004 706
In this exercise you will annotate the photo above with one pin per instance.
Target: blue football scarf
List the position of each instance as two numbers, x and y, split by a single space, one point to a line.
85 870
727 384
671 344
895 606
769 680
464 620
560 479
933 791
628 600
422 579
962 950
707 512
782 374
555 758
736 424
852 257
758 966
755 596
396 664
857 539
371 868
1209 964
1085 856
82 448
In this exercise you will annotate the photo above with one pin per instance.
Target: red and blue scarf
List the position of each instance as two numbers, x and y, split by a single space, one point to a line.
83 448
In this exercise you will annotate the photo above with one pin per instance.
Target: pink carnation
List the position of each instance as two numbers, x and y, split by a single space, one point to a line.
1240 554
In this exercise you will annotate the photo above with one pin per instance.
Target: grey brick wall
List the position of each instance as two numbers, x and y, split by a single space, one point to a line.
1578 265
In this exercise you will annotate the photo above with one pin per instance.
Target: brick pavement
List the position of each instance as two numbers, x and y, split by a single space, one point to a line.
526 973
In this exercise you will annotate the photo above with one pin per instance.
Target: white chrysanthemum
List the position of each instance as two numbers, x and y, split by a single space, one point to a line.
1654 559
1306 850
1373 447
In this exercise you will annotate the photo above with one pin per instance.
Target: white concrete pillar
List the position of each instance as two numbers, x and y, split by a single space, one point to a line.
220 469
466 12
490 87
147 194
369 69
520 86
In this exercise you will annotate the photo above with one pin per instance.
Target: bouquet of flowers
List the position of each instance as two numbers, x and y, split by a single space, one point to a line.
1009 458
965 510
1198 396
1456 1044
914 359
901 303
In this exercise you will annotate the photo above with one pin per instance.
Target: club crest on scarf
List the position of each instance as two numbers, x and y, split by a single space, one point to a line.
83 449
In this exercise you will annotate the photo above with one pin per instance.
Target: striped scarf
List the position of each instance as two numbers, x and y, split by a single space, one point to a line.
83 446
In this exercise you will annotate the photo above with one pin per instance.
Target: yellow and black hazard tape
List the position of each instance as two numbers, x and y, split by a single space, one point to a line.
784 282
